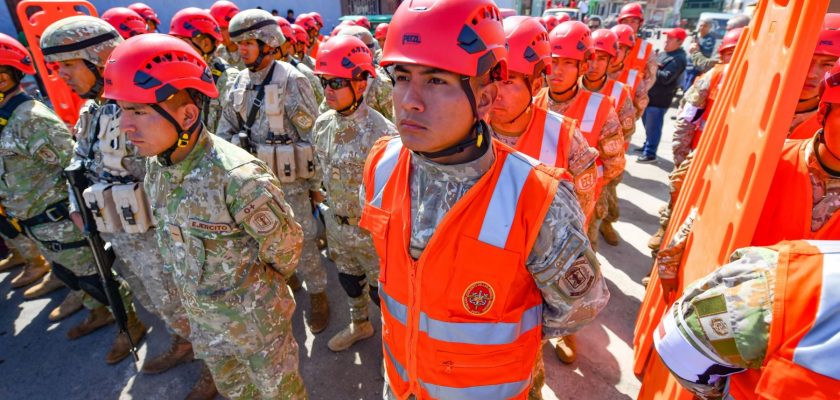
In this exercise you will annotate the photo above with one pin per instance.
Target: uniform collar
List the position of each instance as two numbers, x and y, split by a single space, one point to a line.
177 172
469 171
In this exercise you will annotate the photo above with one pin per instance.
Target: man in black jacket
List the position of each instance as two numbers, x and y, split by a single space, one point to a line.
672 64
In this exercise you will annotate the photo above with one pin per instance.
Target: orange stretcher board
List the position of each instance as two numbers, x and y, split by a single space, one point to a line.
735 162
35 16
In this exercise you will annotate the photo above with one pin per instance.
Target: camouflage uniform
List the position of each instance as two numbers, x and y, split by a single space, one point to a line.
307 61
35 146
224 227
234 59
224 75
314 82
740 296
686 125
435 188
300 113
342 144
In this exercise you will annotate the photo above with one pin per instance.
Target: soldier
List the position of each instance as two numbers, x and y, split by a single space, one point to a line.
149 14
599 123
80 45
223 11
285 52
35 145
198 28
308 22
628 76
342 138
517 122
301 45
222 222
483 251
378 95
127 22
270 112
380 34
761 326
640 56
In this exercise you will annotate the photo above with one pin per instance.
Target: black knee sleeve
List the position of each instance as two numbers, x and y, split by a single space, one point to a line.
353 285
93 286
66 276
374 294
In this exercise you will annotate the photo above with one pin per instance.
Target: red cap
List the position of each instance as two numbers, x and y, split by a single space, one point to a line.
625 34
461 36
381 31
148 13
286 29
223 11
676 33
730 39
570 39
632 10
193 21
829 43
528 48
300 34
127 22
13 54
344 57
149 68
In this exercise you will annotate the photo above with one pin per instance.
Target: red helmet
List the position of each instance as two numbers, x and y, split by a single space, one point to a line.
605 40
318 18
730 39
831 85
831 21
147 69
541 20
625 34
551 22
146 12
286 29
381 31
127 22
363 21
461 36
223 11
344 57
563 17
13 54
570 39
307 22
300 34
528 48
829 43
193 21
632 10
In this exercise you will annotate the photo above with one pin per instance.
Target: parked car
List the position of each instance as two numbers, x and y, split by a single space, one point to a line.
574 13
374 19
719 22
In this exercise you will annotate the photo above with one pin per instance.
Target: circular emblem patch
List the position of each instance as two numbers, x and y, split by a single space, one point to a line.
478 298
719 326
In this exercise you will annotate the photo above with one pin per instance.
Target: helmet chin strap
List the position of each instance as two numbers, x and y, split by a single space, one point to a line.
183 135
97 87
256 64
357 102
480 133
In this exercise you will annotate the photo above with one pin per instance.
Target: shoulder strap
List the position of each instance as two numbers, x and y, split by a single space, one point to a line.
255 107
9 108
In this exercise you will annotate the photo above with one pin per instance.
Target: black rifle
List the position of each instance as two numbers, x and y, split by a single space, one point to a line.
103 255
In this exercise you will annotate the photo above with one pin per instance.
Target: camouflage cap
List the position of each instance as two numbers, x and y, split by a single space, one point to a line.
79 37
256 24
358 31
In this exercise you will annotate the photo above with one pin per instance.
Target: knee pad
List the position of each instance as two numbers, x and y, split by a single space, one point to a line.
353 285
66 276
91 285
374 294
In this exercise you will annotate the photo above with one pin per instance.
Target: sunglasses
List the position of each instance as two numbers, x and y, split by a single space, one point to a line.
335 83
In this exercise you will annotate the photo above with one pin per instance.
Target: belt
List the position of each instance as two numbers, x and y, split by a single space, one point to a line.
344 220
53 213
56 247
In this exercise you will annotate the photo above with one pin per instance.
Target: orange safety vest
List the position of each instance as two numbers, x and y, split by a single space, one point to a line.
718 72
807 129
801 359
615 90
787 211
464 320
590 109
630 77
314 52
639 55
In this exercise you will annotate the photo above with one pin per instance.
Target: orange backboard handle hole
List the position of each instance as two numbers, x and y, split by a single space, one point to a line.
747 180
739 83
769 109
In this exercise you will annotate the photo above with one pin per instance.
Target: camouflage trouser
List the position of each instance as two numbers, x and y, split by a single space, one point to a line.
676 180
23 246
535 392
143 268
610 198
352 250
310 268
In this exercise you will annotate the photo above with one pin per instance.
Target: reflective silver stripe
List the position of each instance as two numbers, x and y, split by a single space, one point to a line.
488 392
818 349
616 93
591 112
384 169
550 138
642 50
498 218
397 366
631 77
481 333
394 307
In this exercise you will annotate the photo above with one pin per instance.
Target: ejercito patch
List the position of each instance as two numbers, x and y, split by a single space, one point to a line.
478 298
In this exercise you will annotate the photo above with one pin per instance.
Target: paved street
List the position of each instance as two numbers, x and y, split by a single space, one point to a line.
38 362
